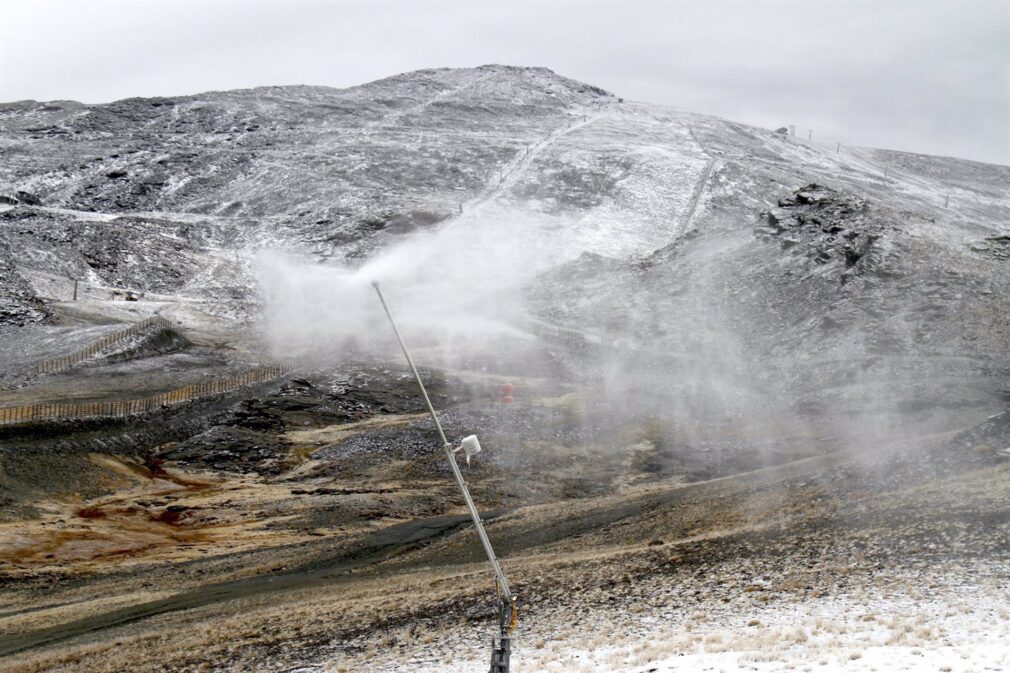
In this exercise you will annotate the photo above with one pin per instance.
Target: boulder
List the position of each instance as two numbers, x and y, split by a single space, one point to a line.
776 219
809 196
20 197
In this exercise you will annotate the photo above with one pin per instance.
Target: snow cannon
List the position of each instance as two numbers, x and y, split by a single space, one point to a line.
470 447
508 612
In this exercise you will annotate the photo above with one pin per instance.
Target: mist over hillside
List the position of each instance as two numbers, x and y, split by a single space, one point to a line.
463 187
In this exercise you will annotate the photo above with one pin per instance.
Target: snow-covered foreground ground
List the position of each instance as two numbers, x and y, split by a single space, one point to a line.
907 622
957 631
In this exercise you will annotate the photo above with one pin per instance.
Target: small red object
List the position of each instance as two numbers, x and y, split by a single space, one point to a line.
505 392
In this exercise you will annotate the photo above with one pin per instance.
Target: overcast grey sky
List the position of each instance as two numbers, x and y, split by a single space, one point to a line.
930 77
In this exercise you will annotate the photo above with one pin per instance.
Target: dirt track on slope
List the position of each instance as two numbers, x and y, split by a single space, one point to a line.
379 546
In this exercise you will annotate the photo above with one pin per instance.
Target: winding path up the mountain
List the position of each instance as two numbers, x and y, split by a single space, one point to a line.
368 129
511 171
699 189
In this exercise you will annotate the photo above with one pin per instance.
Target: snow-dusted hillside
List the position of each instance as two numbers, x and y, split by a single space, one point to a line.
760 385
897 269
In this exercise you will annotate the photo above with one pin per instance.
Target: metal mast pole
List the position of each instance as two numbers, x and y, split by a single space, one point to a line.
507 610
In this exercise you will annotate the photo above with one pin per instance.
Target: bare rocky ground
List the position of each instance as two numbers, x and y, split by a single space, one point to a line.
331 565
314 523
760 415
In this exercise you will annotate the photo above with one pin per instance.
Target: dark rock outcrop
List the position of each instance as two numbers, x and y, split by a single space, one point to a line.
828 228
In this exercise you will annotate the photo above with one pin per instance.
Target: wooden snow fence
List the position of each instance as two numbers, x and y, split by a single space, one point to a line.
67 361
118 408
568 337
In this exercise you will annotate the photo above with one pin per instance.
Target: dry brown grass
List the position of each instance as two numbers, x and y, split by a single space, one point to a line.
583 576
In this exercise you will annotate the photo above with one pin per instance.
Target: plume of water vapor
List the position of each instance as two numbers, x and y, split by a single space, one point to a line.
460 280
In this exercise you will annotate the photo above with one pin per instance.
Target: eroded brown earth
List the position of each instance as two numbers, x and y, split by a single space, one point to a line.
331 532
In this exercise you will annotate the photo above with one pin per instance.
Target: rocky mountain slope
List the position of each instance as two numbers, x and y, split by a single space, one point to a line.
728 346
727 271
